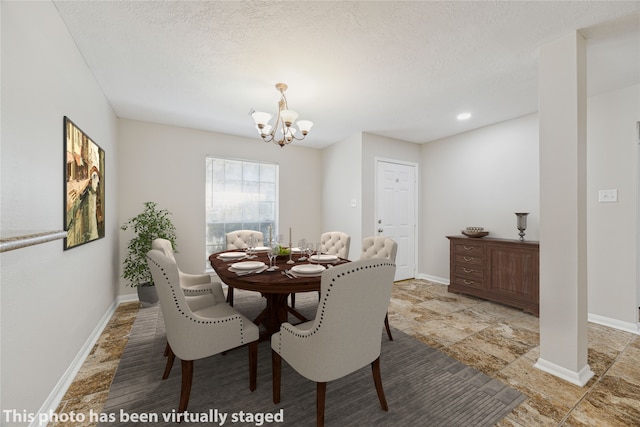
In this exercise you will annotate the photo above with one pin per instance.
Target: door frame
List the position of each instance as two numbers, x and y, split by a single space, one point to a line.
416 209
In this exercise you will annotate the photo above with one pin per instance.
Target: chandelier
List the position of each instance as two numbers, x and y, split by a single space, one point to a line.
282 132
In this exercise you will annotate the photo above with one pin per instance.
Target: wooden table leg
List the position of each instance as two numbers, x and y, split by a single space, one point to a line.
277 312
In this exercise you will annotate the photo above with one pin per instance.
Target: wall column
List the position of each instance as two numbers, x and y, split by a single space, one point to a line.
563 213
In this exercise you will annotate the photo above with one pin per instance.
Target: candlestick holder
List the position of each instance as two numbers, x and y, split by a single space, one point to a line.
522 223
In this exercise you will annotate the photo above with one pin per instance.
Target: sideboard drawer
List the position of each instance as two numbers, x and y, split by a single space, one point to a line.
469 249
468 260
469 271
468 282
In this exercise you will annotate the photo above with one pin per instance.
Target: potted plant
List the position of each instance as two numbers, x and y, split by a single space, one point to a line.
150 224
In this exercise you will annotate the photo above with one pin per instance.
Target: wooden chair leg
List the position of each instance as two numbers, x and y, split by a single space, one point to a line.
253 364
166 349
386 325
276 369
185 391
321 392
377 379
230 295
293 300
170 358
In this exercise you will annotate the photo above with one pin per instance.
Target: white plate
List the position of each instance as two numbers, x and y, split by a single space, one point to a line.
246 272
323 258
261 248
232 255
247 265
307 269
296 250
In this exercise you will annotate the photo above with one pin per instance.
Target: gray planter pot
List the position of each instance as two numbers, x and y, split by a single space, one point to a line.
147 294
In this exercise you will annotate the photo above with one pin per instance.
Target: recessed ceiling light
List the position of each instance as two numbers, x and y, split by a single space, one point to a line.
463 116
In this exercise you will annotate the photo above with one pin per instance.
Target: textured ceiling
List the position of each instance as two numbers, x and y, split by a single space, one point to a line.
398 69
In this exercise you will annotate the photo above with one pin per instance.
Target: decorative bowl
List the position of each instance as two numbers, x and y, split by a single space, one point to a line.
470 233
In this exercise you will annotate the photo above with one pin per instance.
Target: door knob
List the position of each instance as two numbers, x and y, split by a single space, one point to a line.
380 230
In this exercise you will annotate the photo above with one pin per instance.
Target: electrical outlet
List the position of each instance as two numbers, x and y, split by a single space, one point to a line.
607 196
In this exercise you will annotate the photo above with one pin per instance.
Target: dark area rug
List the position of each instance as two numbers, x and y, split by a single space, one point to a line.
423 386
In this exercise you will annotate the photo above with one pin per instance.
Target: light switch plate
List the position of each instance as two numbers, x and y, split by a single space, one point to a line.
607 196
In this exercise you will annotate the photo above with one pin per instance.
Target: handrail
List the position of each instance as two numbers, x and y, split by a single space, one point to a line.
23 239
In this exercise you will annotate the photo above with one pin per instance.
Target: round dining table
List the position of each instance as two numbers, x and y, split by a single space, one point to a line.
274 286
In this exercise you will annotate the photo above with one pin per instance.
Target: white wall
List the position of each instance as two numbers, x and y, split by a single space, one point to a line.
482 177
479 178
341 183
52 299
166 164
612 163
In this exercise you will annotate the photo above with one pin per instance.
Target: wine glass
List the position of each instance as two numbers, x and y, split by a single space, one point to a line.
251 245
302 247
274 250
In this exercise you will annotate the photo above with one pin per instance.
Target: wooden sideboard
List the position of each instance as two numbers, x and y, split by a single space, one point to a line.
500 270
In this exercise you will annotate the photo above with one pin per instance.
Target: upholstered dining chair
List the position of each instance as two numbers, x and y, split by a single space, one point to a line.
192 284
380 247
239 239
197 334
332 243
199 290
345 334
335 243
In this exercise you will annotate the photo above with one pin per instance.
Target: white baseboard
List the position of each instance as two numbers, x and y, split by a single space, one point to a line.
615 323
55 397
579 378
435 279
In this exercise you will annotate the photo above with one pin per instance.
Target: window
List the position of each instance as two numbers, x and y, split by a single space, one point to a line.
240 195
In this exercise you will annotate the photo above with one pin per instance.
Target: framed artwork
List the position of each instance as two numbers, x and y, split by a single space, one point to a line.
84 203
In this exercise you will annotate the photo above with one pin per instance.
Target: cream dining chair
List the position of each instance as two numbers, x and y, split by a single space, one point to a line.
380 247
335 243
345 334
240 239
191 284
196 334
199 290
331 243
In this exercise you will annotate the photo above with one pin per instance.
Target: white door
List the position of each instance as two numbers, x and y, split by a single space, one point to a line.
396 212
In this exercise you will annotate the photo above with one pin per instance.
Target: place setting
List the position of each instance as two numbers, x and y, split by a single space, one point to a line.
232 256
247 267
305 270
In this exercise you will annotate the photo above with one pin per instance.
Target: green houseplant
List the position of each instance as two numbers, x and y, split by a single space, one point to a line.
150 224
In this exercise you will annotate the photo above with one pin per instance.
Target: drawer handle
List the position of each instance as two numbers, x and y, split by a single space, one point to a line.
468 282
468 248
468 270
467 258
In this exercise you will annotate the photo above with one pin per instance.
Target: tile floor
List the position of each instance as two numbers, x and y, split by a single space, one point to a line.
500 341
